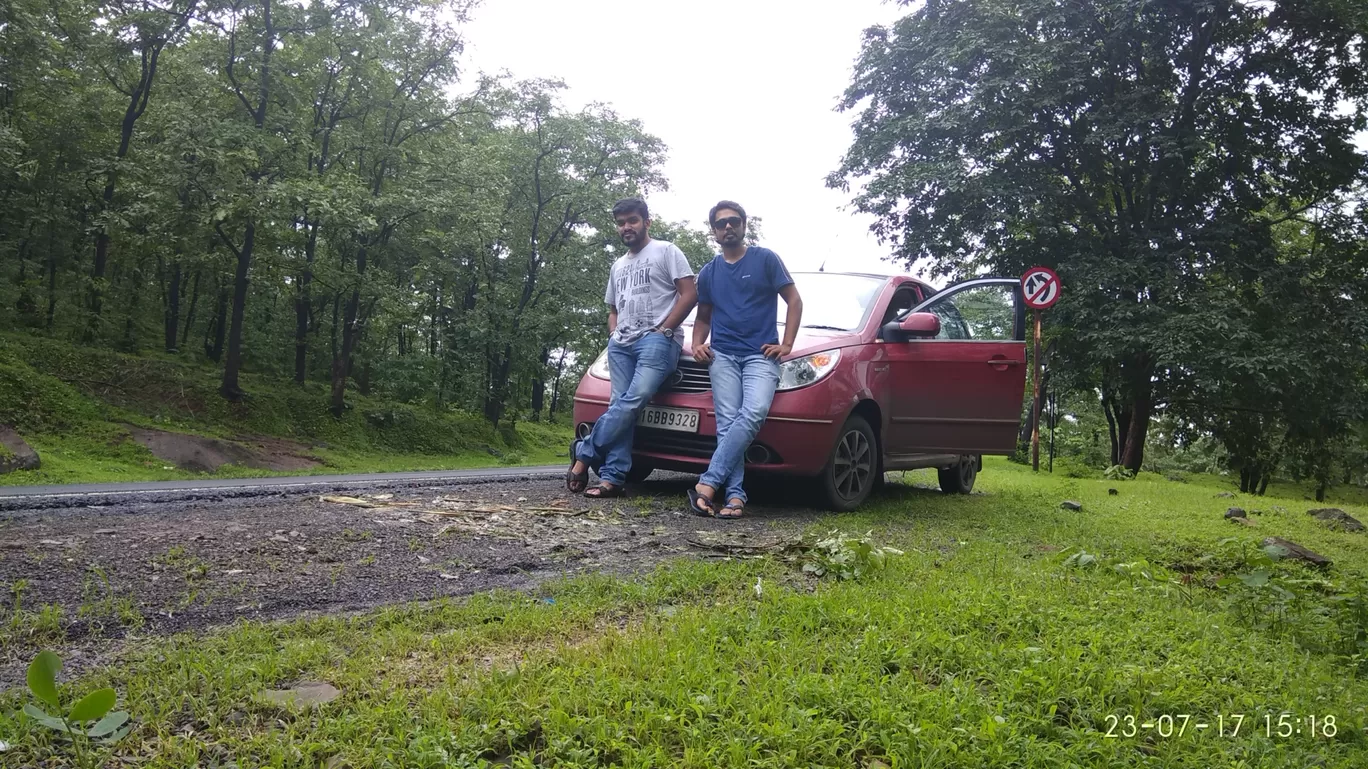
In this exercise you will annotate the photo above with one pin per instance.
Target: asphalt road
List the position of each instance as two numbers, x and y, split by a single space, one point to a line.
71 495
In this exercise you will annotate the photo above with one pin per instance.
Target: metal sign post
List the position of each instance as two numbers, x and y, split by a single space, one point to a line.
1040 288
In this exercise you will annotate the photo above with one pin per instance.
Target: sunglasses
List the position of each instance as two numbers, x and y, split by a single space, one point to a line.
730 221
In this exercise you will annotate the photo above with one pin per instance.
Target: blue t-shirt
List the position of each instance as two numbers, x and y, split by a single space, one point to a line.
745 300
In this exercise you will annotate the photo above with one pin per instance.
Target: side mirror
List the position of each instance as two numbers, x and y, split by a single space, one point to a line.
924 325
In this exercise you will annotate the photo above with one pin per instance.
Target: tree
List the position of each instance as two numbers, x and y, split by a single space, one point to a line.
127 49
1133 145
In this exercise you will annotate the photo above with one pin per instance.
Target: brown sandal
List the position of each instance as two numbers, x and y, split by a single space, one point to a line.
603 491
701 505
736 511
576 483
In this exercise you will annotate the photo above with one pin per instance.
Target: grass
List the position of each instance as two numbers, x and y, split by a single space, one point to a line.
989 643
72 405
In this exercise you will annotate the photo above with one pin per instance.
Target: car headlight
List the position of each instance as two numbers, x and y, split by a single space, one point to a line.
599 368
801 372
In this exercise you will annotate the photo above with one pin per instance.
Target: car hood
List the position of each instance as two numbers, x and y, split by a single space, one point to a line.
809 341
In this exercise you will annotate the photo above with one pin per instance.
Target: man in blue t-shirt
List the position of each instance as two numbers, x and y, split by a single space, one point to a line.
738 302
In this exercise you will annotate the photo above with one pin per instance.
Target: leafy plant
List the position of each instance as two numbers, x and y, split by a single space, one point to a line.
1118 473
1082 560
109 727
846 557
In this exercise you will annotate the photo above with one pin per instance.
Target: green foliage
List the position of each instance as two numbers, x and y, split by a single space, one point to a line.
403 231
687 665
1205 220
1118 473
74 403
76 723
844 556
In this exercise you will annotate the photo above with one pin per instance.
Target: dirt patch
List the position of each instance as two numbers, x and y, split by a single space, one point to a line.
15 453
138 568
201 454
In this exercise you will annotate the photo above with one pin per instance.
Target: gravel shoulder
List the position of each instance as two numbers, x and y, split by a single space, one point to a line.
91 578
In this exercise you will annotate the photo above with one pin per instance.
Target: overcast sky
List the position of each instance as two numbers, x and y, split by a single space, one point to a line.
742 92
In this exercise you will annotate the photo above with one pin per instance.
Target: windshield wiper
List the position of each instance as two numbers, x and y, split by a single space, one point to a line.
817 325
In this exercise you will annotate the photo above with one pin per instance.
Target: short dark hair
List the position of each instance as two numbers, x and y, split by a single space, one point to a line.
631 206
721 204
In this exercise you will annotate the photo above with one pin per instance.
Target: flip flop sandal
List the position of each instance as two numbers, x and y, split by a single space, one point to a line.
701 505
575 482
737 511
603 491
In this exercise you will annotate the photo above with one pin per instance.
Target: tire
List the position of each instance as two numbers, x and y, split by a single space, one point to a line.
640 471
851 469
959 477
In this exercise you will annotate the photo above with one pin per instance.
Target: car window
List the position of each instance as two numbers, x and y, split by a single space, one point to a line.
901 302
980 312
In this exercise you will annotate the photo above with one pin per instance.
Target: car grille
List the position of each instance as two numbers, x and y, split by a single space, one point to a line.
671 442
685 444
688 377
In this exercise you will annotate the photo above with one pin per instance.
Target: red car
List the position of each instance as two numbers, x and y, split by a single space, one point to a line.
887 374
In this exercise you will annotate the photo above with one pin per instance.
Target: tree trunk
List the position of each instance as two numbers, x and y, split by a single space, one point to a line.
363 380
350 331
135 301
138 96
1137 430
220 327
1244 480
498 387
555 390
172 318
342 360
303 303
539 385
230 389
52 270
194 300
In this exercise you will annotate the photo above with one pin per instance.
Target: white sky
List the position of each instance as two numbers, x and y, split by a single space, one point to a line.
742 92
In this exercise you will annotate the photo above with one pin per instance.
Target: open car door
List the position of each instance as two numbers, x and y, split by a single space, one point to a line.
961 391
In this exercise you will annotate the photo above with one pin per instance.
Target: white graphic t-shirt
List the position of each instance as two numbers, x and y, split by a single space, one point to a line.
642 289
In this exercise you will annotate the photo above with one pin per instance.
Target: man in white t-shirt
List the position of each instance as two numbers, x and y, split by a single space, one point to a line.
650 292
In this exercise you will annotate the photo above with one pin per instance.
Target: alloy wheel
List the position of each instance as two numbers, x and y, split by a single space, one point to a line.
853 464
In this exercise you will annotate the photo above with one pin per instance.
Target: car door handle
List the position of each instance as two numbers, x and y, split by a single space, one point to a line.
1003 362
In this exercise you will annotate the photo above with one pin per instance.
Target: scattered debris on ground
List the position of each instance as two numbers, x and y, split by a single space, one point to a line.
135 567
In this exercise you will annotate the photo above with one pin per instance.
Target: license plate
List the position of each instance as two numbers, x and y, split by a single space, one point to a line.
679 420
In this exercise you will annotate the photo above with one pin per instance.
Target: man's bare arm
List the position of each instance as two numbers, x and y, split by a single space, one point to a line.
702 351
688 297
792 320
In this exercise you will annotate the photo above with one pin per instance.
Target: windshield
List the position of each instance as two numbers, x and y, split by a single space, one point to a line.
831 300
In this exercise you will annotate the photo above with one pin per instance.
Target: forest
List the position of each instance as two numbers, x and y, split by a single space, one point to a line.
324 192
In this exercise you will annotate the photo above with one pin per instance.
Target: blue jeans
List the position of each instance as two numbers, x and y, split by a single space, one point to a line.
636 370
743 388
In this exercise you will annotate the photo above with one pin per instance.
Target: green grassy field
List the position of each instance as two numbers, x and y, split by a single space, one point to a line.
1010 633
73 405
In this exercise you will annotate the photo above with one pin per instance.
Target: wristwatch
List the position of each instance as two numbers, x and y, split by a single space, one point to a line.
667 332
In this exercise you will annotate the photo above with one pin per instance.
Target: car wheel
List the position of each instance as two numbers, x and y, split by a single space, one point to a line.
959 477
851 469
640 471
